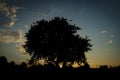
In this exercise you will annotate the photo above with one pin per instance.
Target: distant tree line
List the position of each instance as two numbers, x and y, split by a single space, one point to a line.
47 72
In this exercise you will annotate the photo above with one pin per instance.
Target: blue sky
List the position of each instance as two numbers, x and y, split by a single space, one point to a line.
99 19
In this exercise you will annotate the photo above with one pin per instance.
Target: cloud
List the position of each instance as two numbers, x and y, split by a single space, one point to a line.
111 39
109 42
10 12
21 48
103 32
112 36
26 26
11 36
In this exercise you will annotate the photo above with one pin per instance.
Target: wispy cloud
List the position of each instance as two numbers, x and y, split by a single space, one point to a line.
110 41
11 36
103 31
26 26
10 12
112 36
21 48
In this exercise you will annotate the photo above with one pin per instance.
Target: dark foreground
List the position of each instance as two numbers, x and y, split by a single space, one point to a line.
11 71
51 73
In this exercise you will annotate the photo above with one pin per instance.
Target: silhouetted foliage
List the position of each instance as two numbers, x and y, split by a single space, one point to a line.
13 71
3 62
103 66
86 66
57 41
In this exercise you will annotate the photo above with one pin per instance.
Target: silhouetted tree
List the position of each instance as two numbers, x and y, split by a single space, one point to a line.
12 63
3 64
57 41
3 61
23 65
86 66
12 66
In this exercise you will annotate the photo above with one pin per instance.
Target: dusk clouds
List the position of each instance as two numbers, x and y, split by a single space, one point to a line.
9 12
11 36
103 31
110 41
110 37
21 48
8 35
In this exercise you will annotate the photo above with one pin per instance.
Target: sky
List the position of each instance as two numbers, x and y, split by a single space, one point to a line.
99 19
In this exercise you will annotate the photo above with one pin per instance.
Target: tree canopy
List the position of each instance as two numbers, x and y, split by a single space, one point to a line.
56 40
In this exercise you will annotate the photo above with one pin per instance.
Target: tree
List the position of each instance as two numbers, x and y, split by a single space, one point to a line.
57 41
3 61
3 64
86 66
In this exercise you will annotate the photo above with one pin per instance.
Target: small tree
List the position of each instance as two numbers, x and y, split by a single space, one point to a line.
57 41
